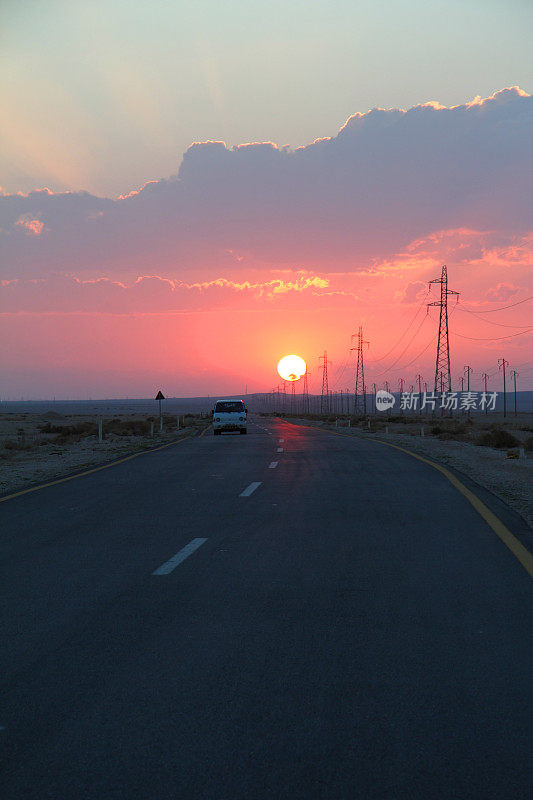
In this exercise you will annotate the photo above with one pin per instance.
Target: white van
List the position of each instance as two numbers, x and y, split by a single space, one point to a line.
229 415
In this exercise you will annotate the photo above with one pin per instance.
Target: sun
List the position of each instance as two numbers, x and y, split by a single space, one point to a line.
291 368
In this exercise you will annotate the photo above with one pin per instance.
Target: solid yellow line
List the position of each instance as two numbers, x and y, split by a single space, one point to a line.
90 471
516 548
202 433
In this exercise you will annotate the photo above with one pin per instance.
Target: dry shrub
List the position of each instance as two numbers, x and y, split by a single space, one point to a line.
499 438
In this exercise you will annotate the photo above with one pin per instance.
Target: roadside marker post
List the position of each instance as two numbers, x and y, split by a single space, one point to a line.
100 431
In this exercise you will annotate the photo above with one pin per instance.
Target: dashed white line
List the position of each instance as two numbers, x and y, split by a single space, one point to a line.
251 488
184 553
280 449
273 464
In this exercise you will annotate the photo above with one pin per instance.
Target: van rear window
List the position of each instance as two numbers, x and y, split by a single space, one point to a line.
227 406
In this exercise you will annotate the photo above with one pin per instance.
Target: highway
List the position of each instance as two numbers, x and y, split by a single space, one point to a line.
287 614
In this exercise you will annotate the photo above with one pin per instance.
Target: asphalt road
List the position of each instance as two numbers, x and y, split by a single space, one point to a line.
350 628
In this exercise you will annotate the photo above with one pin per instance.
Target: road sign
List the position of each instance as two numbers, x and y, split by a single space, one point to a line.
160 395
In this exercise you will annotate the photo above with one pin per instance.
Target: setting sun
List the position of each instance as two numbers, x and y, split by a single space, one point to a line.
291 368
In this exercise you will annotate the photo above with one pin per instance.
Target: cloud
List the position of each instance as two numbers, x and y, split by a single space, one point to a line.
387 179
154 294
32 227
413 292
503 291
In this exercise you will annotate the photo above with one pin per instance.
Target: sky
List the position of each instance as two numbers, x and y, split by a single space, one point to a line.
192 190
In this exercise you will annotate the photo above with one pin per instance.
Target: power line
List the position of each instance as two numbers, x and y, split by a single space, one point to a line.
397 342
488 321
491 338
492 310
407 346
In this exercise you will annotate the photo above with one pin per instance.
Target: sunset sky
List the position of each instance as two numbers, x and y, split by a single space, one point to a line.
192 190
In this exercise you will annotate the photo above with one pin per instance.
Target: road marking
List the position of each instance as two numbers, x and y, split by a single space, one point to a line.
184 553
281 441
251 488
502 532
280 449
273 464
94 469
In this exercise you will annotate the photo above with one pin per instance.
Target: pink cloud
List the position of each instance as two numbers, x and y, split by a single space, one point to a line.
414 292
156 294
503 291
32 227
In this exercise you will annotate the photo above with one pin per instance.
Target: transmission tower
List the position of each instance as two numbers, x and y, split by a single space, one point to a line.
293 397
305 398
359 373
324 400
442 364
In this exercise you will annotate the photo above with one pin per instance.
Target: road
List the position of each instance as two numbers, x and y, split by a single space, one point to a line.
350 627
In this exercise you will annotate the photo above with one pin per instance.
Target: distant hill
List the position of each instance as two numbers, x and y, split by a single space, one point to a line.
183 405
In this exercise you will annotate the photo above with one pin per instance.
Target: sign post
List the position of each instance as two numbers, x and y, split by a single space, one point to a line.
160 396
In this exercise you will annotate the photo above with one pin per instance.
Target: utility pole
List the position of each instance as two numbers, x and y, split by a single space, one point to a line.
442 364
502 363
468 369
374 389
485 377
324 400
359 372
514 375
419 379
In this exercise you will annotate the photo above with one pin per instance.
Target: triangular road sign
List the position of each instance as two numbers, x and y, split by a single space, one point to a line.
160 395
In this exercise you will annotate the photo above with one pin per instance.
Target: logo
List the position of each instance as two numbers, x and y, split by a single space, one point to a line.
384 400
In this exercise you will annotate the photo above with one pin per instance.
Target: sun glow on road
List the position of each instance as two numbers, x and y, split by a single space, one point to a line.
291 368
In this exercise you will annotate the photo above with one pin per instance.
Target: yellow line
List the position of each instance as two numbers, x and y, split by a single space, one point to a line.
90 471
516 548
202 433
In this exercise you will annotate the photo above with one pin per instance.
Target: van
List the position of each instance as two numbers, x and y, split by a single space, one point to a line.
229 415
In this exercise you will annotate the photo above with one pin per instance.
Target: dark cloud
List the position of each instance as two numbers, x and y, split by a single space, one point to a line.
389 177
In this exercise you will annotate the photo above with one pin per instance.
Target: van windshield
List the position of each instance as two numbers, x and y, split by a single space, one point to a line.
227 406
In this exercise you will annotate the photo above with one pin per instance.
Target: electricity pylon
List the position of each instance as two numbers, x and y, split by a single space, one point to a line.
293 397
305 398
359 372
442 364
324 400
